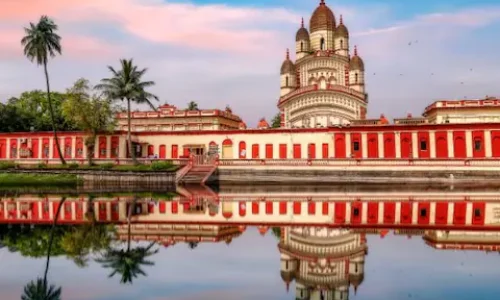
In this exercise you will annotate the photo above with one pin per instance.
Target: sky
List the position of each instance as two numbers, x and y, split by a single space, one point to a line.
249 268
220 53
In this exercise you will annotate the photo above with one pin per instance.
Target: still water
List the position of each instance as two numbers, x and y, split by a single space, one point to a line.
199 251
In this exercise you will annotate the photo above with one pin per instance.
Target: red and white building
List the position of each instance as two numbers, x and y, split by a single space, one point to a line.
323 104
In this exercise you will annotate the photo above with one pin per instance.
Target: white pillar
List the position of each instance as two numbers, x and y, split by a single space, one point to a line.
468 143
451 149
487 143
380 143
364 145
432 144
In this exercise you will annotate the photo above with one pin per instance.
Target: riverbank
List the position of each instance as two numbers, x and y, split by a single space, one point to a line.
120 176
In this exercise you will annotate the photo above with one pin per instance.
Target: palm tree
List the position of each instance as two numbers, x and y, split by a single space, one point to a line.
128 262
40 43
126 85
192 106
39 289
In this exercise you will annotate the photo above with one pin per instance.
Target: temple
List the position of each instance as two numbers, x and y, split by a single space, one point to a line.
323 105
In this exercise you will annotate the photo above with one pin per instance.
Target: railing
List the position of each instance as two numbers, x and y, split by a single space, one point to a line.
329 87
182 172
204 160
488 162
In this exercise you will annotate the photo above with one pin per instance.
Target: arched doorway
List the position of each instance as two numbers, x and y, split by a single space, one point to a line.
227 149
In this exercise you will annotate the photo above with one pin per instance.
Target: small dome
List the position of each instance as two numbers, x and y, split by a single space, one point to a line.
356 62
341 30
322 18
287 66
302 33
242 125
263 124
287 276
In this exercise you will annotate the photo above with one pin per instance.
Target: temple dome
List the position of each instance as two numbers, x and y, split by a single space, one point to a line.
356 62
287 67
322 18
302 33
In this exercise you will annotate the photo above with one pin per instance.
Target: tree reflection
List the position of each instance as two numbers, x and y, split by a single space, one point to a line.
128 262
192 245
40 289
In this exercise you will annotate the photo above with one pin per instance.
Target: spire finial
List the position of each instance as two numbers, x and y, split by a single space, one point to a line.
355 290
287 53
302 22
341 20
322 2
355 50
287 286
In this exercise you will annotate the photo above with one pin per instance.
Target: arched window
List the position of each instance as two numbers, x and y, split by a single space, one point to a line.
355 77
301 46
322 44
286 81
341 44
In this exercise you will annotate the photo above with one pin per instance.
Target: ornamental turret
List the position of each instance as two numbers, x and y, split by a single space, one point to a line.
287 75
357 72
302 42
322 26
341 39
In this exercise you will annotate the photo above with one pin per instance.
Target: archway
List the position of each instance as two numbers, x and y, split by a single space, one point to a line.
227 149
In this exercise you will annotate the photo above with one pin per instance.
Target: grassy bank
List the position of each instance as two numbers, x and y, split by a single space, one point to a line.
157 166
23 179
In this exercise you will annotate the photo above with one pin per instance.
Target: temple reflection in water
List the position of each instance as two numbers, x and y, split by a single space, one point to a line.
324 262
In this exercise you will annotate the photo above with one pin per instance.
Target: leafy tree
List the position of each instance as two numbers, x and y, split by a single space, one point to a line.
127 262
90 112
41 42
127 85
192 106
276 121
11 120
276 232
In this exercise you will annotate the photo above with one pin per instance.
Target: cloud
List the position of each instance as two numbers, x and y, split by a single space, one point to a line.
222 54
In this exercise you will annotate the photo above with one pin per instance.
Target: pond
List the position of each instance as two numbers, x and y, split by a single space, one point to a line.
139 246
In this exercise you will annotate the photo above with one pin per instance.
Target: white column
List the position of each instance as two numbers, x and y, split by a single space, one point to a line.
432 213
468 213
380 138
468 143
397 142
380 213
415 144
414 213
108 147
397 217
7 148
73 147
348 144
51 148
432 144
451 149
487 143
364 145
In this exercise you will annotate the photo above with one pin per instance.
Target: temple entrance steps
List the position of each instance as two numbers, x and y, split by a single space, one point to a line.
199 169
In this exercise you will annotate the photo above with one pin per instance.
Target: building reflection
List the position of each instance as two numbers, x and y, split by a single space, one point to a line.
324 262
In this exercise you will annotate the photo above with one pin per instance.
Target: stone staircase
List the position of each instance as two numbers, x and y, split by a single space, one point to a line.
197 174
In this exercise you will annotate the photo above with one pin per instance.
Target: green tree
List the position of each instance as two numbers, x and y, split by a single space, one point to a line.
127 85
276 232
276 121
128 262
192 106
41 42
40 289
89 112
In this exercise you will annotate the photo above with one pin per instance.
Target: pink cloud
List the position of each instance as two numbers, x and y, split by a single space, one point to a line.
73 46
213 27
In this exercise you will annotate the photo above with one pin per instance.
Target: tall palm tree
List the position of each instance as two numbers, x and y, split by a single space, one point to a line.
127 84
192 106
39 289
127 262
40 43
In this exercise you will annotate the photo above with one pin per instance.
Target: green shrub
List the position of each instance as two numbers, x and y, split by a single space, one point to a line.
106 166
41 166
73 166
161 165
4 165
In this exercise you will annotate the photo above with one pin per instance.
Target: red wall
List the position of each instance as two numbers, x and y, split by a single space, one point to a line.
324 151
423 138
269 151
68 147
13 148
3 148
115 146
478 140
45 148
459 144
441 144
339 142
406 144
372 145
163 151
102 147
282 151
242 146
311 151
35 147
389 145
495 143
297 152
79 147
255 151
175 151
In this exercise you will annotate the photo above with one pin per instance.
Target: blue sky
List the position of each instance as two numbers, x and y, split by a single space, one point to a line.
248 268
230 52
